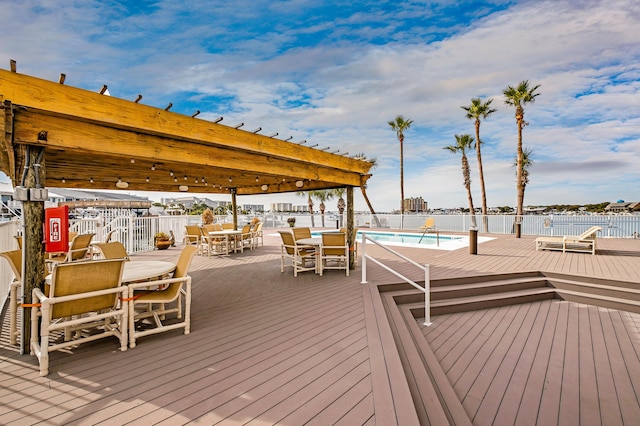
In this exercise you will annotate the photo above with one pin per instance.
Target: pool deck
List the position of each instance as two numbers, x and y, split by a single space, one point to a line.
269 348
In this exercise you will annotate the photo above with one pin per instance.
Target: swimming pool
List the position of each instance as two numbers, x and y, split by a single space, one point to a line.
417 240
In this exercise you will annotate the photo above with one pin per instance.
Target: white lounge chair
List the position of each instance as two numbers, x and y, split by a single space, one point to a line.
585 242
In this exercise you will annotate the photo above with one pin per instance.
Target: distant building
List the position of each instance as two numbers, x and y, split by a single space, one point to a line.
415 205
189 202
281 207
623 207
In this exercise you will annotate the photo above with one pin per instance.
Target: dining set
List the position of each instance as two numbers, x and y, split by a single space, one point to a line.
305 252
102 294
223 238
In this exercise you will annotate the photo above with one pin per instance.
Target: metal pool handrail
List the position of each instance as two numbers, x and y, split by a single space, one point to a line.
427 285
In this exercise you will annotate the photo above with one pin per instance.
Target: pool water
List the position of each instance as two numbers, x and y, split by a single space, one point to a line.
416 240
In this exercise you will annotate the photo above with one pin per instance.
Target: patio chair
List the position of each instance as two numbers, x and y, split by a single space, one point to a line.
300 255
18 240
193 236
300 233
585 242
354 241
79 249
213 244
83 299
227 226
334 252
429 225
245 239
154 302
258 236
14 259
113 250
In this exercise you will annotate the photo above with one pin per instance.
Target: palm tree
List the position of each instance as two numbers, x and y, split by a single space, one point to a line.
519 96
476 110
322 195
464 142
399 125
339 192
309 194
527 161
363 189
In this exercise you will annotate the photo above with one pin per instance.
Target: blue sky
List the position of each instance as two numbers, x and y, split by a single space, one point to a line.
335 72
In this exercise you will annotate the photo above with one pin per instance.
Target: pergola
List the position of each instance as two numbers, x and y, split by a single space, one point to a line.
53 135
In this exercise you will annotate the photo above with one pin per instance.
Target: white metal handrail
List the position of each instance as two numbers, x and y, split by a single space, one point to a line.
427 285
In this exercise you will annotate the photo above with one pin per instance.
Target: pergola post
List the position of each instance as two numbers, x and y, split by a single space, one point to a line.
234 207
32 238
350 227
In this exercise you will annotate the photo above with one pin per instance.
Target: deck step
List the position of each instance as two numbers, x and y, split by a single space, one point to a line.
487 287
600 288
618 303
486 301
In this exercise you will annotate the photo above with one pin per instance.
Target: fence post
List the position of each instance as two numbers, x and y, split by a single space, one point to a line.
427 296
364 258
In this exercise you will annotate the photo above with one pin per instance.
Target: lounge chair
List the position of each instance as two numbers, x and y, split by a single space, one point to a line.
83 301
300 255
585 242
154 301
334 252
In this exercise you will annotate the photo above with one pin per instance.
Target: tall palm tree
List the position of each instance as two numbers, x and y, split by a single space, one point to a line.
463 143
339 192
519 96
309 195
322 195
363 189
476 110
400 125
527 161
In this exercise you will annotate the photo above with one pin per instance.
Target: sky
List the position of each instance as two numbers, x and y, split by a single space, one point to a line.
335 72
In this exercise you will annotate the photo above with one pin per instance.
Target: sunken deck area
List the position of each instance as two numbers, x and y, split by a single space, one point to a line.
269 348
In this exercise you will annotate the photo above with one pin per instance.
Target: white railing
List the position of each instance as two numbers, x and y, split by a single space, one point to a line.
427 283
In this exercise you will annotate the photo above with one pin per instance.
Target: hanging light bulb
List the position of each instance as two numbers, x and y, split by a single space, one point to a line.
185 177
171 173
64 180
91 180
147 179
175 179
153 167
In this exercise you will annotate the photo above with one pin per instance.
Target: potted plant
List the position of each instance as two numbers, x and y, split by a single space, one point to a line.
291 221
162 240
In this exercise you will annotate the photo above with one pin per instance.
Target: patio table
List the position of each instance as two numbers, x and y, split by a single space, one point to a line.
140 270
316 242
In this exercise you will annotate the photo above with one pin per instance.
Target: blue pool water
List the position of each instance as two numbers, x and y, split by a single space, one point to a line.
409 239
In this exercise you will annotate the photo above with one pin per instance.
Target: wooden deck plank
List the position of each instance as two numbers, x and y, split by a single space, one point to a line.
549 408
243 301
535 382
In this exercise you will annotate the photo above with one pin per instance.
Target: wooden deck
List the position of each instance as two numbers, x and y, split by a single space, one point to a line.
268 348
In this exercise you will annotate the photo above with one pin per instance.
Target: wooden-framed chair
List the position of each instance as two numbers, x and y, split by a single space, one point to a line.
300 233
334 252
14 259
154 301
112 250
300 256
354 240
84 296
585 242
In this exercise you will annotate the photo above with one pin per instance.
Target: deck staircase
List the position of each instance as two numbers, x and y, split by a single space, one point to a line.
433 396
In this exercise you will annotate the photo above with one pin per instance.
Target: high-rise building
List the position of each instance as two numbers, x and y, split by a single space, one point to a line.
415 205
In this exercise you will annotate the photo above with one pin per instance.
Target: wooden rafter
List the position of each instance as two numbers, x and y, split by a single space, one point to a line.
92 140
